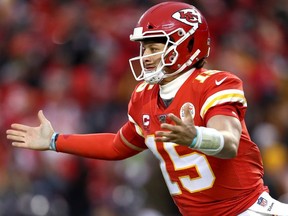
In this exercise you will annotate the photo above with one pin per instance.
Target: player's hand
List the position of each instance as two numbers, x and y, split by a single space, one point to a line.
182 132
37 138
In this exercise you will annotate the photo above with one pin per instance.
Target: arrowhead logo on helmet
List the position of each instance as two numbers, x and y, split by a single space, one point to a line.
188 16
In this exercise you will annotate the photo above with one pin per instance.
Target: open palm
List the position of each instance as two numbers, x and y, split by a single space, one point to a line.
37 138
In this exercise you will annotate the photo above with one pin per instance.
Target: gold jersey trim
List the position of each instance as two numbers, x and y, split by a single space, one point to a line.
221 97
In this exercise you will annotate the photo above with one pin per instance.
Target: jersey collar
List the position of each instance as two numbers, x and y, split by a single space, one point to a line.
169 90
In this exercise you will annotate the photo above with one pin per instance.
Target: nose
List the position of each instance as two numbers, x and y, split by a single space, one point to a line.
147 56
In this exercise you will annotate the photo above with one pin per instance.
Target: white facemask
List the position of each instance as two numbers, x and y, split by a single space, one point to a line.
157 75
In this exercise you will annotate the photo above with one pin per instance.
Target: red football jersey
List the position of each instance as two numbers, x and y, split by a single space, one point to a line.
200 184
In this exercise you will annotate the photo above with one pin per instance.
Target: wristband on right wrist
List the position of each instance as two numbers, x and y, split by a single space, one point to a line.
52 145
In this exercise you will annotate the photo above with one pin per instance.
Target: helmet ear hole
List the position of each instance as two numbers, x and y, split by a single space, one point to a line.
150 27
171 58
190 45
181 33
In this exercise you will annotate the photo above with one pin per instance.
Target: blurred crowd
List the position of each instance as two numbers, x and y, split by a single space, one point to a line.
70 59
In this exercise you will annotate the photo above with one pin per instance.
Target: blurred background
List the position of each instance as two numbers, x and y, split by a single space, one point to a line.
70 58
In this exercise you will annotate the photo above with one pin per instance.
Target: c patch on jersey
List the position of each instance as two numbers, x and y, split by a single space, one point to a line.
146 120
191 109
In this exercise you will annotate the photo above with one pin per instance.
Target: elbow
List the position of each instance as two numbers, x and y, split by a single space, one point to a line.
231 151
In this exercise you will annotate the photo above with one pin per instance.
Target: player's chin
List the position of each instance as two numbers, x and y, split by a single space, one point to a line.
149 70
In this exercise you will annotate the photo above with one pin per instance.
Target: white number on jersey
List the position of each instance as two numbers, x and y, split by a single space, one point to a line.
195 160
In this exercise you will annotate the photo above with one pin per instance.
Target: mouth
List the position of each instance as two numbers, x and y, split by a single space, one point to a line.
149 68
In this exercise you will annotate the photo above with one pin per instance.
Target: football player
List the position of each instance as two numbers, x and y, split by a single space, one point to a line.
189 117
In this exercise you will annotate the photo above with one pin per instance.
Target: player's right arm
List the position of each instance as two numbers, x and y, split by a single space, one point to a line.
107 146
37 138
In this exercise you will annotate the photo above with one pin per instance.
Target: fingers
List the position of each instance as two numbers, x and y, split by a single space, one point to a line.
20 127
161 133
19 144
16 138
15 133
169 127
162 139
162 136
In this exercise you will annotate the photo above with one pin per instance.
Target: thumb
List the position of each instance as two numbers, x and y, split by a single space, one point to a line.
41 117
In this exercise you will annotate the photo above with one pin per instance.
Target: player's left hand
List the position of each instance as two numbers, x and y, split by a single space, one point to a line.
182 132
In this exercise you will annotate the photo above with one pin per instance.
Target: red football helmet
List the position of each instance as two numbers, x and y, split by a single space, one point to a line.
187 38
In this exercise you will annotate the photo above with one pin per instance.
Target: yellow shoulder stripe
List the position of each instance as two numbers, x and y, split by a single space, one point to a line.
221 97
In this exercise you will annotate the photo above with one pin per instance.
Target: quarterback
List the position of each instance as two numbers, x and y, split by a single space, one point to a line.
189 117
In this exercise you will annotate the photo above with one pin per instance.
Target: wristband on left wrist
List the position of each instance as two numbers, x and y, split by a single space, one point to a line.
194 141
208 140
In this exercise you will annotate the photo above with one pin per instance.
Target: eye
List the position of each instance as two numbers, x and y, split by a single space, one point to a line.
154 49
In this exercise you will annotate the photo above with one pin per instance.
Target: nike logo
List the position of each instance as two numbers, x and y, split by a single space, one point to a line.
220 81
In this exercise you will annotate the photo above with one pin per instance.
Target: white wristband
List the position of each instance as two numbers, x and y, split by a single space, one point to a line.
52 145
208 140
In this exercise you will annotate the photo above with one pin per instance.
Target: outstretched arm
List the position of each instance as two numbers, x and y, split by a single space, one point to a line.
107 146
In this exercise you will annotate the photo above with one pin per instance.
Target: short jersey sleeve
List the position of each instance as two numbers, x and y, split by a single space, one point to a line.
223 95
